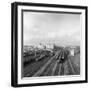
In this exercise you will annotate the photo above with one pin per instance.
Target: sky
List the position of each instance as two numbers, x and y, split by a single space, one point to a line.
56 28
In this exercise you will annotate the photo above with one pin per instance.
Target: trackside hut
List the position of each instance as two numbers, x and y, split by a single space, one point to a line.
72 51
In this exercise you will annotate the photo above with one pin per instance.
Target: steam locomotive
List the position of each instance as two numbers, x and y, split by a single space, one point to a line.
64 56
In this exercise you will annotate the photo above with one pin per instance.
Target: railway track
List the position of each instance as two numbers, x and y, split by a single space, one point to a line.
41 70
71 67
50 66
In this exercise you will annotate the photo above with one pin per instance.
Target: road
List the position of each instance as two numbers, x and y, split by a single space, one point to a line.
51 66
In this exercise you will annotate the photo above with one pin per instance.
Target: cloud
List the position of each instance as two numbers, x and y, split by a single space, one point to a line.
43 27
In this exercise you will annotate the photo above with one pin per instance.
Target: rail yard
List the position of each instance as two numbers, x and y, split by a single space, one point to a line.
57 62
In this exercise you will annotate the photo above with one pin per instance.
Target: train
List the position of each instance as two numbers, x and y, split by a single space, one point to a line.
64 56
35 56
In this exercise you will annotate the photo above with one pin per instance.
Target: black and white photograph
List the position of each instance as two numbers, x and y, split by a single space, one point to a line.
49 44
